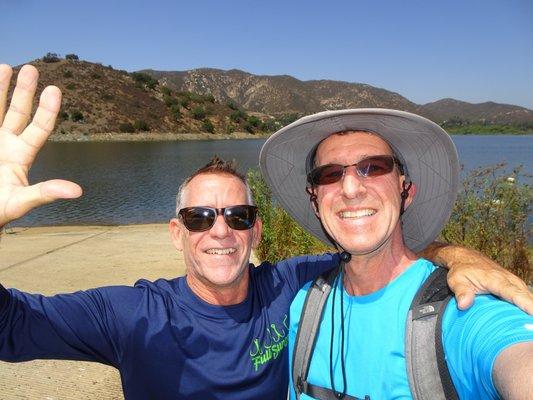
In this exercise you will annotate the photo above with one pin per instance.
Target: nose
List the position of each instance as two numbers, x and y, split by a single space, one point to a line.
220 229
352 184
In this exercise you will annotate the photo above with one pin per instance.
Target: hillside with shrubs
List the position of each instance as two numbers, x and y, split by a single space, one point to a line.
100 99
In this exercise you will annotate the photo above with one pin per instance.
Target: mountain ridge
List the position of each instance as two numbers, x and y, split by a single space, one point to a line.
99 99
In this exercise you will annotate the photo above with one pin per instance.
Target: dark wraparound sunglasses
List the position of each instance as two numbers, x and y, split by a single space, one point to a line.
199 219
367 167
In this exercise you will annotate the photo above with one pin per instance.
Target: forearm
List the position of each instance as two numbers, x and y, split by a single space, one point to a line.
450 256
473 273
513 372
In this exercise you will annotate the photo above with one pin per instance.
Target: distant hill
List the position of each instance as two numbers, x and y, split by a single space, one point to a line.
281 94
284 94
100 99
447 109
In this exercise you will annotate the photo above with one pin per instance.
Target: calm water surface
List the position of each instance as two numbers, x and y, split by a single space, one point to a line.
127 183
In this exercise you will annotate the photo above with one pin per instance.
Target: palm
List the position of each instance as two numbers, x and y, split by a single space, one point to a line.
20 142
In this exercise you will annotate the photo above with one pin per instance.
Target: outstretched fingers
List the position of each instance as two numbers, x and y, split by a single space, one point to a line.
19 111
43 122
5 77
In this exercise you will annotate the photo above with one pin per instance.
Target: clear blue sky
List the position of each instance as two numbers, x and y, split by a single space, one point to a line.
427 50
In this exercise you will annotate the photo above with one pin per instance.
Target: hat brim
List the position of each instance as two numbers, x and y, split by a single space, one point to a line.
424 147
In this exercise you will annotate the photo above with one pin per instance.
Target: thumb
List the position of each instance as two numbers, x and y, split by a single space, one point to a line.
30 197
464 295
56 189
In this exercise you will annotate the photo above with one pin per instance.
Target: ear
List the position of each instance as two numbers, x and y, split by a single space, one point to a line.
176 233
412 193
313 200
257 230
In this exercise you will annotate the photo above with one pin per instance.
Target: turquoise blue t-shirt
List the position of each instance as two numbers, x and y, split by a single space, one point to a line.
374 328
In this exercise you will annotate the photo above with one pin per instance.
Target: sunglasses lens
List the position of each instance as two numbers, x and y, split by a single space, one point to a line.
326 174
375 166
240 217
368 167
198 219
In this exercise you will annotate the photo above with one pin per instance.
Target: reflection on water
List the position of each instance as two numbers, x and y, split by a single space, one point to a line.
127 183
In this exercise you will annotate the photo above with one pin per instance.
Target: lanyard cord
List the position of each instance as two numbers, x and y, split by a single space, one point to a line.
338 395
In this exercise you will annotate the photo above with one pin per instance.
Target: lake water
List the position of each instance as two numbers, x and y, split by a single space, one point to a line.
128 183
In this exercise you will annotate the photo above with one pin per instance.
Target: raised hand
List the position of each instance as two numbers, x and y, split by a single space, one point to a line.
20 143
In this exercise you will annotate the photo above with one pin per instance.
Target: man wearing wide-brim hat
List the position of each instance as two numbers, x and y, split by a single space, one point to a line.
380 185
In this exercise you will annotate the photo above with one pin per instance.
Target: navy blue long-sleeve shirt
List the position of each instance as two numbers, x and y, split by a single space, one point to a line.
166 342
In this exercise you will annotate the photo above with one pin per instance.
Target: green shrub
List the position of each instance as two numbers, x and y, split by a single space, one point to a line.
63 115
70 86
196 98
141 125
254 121
238 115
166 91
282 237
144 79
231 104
184 102
126 127
198 112
72 57
248 127
68 74
96 75
491 215
270 125
169 101
287 119
208 126
230 128
176 113
76 116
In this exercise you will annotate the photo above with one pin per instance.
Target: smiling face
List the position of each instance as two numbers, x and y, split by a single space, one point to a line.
216 259
361 214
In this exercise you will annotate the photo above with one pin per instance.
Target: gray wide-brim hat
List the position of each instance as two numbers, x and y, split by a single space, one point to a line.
426 151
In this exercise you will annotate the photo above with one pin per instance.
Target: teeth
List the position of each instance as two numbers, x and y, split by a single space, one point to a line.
357 213
229 250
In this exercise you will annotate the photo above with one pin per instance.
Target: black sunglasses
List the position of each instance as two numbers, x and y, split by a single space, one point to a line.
199 219
367 168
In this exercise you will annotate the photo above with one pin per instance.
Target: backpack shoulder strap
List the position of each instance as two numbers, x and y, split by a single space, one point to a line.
308 328
427 370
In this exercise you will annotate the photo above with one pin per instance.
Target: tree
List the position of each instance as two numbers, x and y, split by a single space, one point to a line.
51 58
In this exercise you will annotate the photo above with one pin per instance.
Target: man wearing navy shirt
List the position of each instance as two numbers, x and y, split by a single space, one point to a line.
220 332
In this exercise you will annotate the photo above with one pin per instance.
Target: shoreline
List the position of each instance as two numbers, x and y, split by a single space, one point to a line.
152 137
179 137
